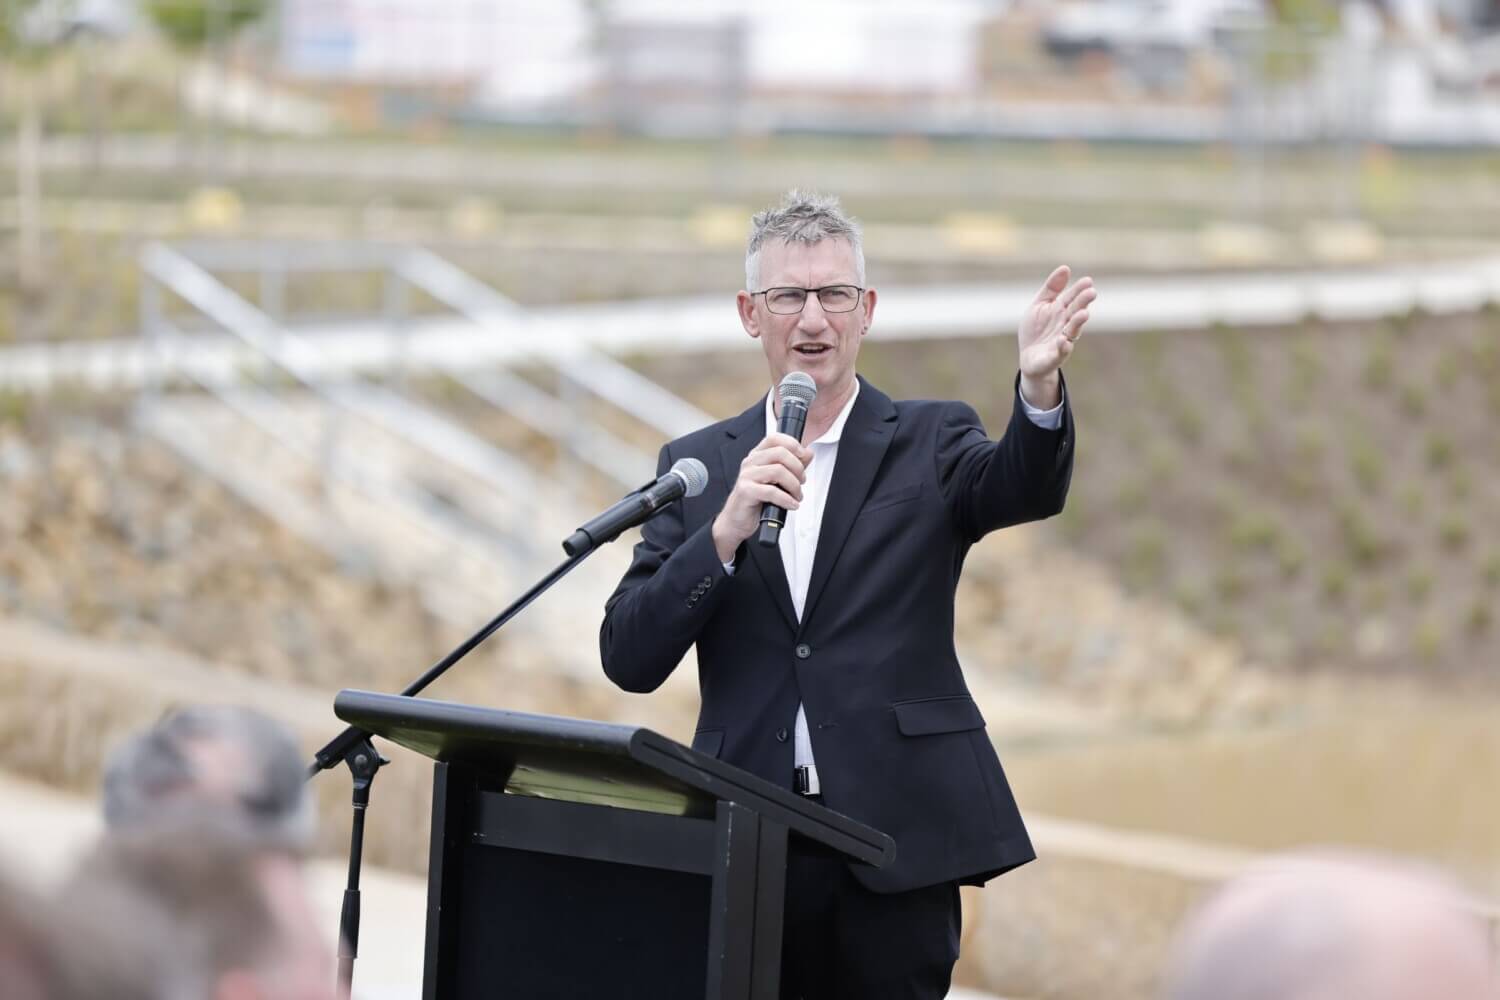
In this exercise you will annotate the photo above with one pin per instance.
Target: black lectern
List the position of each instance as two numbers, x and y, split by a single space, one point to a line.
574 859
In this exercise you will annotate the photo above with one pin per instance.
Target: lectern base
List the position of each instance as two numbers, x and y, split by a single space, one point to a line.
542 926
531 899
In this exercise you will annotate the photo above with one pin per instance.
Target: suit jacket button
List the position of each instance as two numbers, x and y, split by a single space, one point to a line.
803 650
708 581
781 736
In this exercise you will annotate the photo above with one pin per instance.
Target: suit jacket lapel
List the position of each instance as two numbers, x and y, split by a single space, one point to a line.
744 433
867 434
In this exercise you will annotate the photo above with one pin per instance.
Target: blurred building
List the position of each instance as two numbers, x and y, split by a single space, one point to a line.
512 50
527 54
1401 71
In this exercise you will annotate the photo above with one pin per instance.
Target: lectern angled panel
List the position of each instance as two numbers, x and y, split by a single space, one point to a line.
600 763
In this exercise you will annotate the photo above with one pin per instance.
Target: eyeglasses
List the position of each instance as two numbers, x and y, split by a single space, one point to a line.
833 298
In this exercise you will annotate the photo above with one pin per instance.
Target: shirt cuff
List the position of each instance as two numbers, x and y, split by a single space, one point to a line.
728 568
1047 420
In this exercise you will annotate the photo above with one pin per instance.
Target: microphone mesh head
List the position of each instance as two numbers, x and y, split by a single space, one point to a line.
693 473
798 387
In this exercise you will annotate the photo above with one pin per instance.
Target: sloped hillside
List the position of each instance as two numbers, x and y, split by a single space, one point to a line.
109 535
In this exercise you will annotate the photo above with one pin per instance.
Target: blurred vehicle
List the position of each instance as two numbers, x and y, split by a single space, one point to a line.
1084 26
1152 40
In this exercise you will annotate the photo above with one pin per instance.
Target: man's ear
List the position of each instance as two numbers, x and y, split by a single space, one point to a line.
745 303
870 298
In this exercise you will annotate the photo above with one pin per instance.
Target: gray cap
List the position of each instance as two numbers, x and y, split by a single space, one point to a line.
219 763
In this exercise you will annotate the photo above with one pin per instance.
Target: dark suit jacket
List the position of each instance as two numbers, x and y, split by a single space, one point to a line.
899 742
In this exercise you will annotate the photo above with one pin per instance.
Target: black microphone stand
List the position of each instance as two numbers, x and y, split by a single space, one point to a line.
353 747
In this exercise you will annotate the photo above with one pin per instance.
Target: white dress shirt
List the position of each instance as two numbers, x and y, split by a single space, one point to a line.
799 535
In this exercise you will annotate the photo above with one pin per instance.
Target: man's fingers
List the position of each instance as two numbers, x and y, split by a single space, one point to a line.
780 455
788 442
1075 325
1055 283
778 475
1076 291
766 493
1083 298
777 455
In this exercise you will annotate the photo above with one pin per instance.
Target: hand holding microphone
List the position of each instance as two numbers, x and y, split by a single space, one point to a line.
771 476
796 394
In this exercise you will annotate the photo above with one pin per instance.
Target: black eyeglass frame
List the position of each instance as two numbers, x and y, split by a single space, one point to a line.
859 294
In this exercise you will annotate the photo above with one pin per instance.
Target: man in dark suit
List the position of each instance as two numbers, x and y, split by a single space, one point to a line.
828 664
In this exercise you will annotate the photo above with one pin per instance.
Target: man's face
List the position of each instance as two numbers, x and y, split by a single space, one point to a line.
821 343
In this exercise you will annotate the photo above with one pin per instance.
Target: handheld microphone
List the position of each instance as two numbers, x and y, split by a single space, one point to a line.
796 392
686 478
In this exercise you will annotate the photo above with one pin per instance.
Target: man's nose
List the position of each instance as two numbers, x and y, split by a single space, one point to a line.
812 317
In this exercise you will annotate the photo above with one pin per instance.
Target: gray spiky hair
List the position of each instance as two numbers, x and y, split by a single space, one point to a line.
802 217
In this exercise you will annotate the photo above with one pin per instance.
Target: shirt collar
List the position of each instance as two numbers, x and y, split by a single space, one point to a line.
834 432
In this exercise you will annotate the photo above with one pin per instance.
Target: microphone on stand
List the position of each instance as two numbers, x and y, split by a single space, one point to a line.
796 392
686 478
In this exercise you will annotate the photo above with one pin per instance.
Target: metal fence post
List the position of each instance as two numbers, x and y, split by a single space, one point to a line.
153 357
397 311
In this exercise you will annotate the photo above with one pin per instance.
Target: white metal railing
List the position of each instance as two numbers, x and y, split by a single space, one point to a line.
561 336
487 317
393 412
272 346
615 383
268 412
341 432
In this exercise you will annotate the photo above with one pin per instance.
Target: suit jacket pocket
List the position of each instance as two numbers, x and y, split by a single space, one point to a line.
902 494
927 716
709 741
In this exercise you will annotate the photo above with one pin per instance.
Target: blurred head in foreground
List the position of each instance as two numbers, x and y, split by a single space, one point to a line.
220 915
233 764
1329 927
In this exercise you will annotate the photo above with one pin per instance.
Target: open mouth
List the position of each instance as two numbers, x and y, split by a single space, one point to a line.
812 350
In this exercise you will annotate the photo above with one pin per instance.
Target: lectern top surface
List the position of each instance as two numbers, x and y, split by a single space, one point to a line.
600 763
546 756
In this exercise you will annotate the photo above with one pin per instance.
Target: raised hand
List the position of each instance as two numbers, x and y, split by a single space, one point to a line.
1049 330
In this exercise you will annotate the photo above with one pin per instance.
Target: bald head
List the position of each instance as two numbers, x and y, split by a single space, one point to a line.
1330 927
